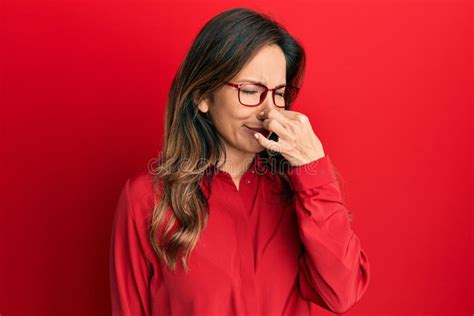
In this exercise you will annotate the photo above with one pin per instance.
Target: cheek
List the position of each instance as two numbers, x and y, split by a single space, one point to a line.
229 116
228 126
229 122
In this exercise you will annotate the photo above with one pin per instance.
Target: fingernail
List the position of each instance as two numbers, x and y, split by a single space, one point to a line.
256 135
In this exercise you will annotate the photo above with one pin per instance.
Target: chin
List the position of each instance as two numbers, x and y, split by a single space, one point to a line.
257 148
251 148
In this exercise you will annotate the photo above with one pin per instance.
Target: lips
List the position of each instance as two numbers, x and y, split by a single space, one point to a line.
262 131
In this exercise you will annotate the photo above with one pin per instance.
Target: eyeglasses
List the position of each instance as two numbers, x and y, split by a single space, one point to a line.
253 94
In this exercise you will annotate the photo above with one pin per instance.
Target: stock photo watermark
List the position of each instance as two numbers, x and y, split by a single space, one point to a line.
187 165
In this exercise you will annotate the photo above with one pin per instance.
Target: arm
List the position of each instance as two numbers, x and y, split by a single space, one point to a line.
130 270
334 270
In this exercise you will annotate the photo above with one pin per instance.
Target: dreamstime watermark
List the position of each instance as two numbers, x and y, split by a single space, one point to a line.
186 165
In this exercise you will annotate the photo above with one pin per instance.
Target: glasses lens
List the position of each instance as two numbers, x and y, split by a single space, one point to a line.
280 97
290 94
250 94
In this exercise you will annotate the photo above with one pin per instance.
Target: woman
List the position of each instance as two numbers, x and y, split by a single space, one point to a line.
228 221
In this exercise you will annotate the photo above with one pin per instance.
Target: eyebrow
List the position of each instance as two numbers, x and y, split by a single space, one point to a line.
258 82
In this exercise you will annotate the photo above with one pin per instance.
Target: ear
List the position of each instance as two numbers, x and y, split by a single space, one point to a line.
203 104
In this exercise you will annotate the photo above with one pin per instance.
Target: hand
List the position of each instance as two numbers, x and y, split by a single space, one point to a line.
297 142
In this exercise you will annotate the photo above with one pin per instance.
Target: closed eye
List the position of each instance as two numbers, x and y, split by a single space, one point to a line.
248 92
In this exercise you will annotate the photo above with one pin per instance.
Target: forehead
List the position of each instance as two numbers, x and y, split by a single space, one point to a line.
268 66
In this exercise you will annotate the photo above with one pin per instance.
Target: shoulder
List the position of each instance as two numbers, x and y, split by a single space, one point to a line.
140 184
140 194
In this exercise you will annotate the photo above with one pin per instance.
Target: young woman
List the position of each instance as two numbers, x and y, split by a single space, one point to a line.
228 221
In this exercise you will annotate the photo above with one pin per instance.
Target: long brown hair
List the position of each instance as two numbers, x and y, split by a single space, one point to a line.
191 142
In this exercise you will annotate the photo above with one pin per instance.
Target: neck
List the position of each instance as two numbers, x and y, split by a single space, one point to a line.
237 163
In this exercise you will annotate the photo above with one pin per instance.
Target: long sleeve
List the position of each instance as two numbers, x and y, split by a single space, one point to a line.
130 270
334 271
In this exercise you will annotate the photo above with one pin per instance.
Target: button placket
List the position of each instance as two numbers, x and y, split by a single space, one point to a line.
247 264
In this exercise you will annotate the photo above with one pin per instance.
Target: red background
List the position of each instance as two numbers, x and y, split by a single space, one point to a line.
388 91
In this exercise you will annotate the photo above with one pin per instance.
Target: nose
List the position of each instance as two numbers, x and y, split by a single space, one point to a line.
267 102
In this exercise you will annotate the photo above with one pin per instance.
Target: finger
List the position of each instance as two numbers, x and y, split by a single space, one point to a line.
276 122
290 120
296 121
267 143
275 114
294 116
275 126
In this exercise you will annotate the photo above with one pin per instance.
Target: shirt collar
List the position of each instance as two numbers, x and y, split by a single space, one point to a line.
258 167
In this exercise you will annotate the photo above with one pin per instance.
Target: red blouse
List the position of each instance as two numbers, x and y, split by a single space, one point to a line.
255 257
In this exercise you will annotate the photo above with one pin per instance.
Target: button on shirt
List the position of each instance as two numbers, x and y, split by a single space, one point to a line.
256 256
